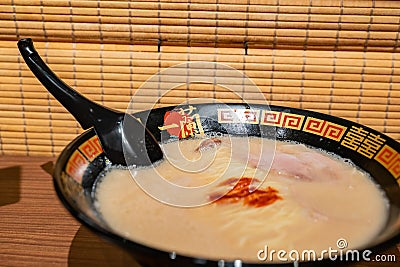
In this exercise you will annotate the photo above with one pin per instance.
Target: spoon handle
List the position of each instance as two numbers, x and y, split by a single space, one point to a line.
84 110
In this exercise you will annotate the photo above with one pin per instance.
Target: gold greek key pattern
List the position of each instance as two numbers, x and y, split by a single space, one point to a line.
324 128
282 119
246 116
76 166
81 157
91 148
390 159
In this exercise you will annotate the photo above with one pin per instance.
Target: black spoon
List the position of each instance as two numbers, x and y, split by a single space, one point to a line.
124 139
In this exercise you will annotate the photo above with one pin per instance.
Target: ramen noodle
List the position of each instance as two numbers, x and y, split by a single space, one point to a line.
306 200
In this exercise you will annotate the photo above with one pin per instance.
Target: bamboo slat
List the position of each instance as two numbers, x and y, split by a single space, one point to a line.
337 57
360 24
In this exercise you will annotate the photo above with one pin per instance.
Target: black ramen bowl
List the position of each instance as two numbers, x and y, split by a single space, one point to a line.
79 165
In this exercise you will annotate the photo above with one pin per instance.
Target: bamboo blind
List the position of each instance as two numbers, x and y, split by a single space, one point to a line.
338 57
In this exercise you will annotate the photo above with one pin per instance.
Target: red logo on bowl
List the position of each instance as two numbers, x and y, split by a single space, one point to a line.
182 123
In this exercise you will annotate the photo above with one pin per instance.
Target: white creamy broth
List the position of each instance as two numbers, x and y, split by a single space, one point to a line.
315 199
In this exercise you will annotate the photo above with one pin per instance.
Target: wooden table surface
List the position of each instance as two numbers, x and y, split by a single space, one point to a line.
36 230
